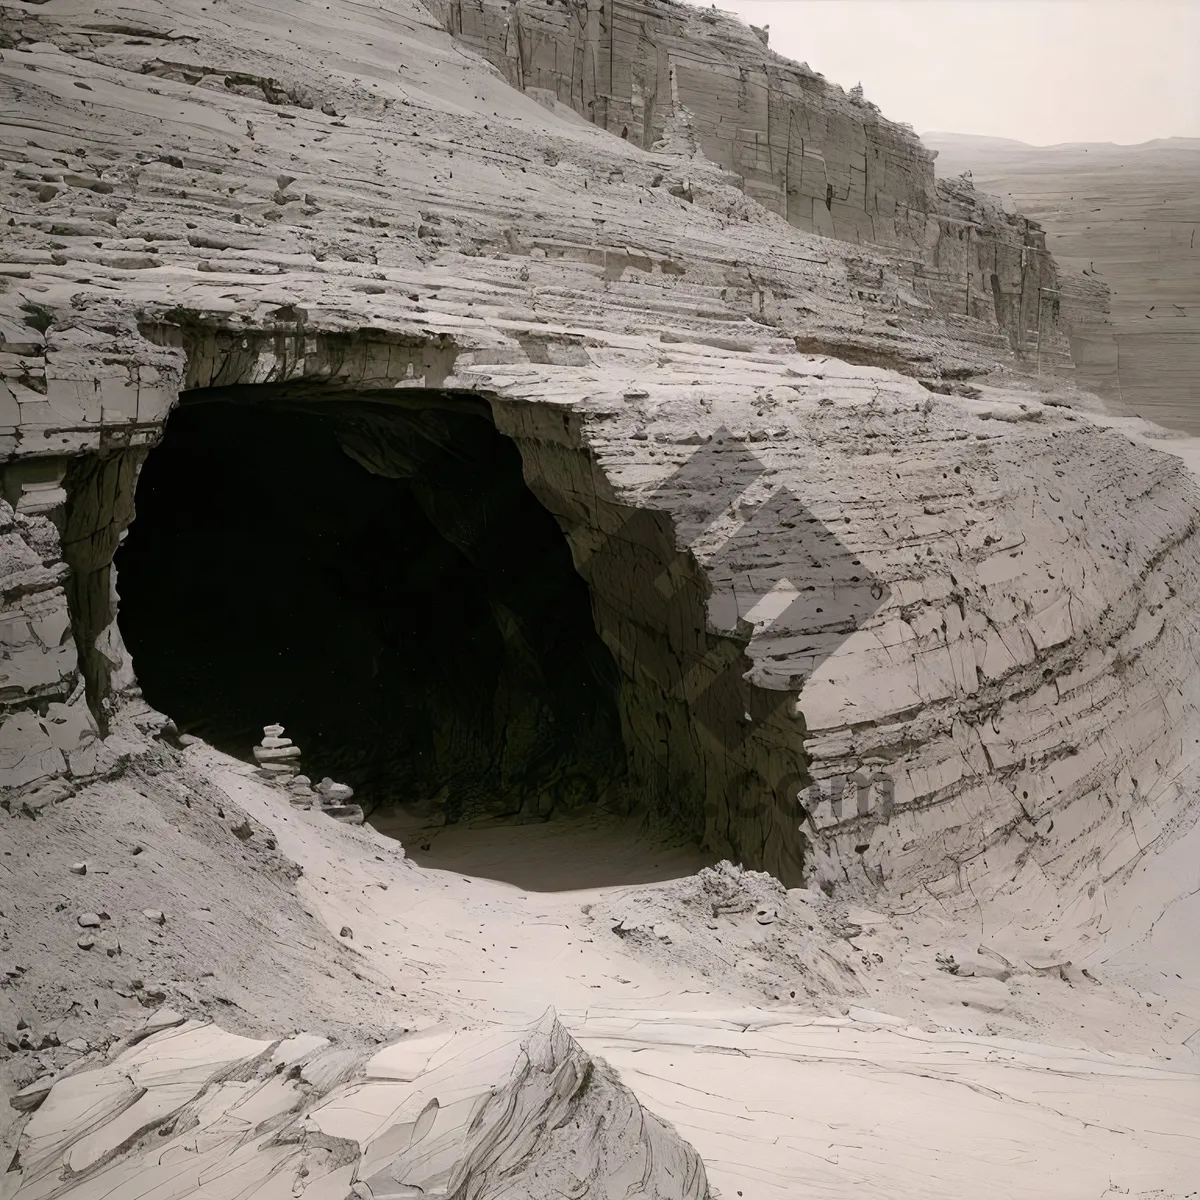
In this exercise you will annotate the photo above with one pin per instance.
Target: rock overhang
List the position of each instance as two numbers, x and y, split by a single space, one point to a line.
776 405
637 297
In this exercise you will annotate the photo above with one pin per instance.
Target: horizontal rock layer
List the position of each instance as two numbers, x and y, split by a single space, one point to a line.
349 200
664 74
444 1112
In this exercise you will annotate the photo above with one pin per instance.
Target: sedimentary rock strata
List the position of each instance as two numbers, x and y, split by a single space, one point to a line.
719 408
663 74
1122 219
187 1105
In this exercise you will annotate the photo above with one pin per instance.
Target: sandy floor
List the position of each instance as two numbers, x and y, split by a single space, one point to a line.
793 1040
562 855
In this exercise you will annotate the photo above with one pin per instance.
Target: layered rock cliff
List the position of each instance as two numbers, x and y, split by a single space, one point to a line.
826 161
1123 220
827 518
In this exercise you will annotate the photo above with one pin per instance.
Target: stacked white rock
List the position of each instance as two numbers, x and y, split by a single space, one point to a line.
299 789
279 762
335 802
276 756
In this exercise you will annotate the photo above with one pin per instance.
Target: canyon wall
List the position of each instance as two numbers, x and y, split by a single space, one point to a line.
1123 220
931 565
826 161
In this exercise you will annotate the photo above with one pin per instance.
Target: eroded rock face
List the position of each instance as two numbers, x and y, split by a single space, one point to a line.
1131 203
663 74
40 663
720 409
462 1113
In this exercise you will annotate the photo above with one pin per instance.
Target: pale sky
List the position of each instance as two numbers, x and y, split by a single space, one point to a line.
1040 71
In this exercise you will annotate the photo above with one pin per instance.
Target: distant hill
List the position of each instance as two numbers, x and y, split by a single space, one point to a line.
968 141
1130 214
936 139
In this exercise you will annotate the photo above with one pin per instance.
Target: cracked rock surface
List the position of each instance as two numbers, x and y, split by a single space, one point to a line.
839 511
885 1069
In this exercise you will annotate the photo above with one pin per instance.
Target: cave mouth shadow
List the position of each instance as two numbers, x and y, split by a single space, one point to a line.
372 572
579 851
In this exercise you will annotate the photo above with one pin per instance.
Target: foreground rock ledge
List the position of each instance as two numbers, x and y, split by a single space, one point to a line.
192 1109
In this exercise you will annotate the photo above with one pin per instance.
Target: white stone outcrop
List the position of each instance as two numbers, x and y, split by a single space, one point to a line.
444 1112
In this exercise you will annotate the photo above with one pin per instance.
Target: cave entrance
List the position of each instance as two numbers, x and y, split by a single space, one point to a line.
372 572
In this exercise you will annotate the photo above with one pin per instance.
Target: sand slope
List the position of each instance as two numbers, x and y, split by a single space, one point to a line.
890 1075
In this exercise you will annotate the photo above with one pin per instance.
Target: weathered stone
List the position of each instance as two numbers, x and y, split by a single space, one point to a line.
719 407
266 754
27 752
29 1098
39 797
347 814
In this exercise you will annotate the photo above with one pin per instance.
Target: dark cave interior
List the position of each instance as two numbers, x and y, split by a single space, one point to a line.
372 572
